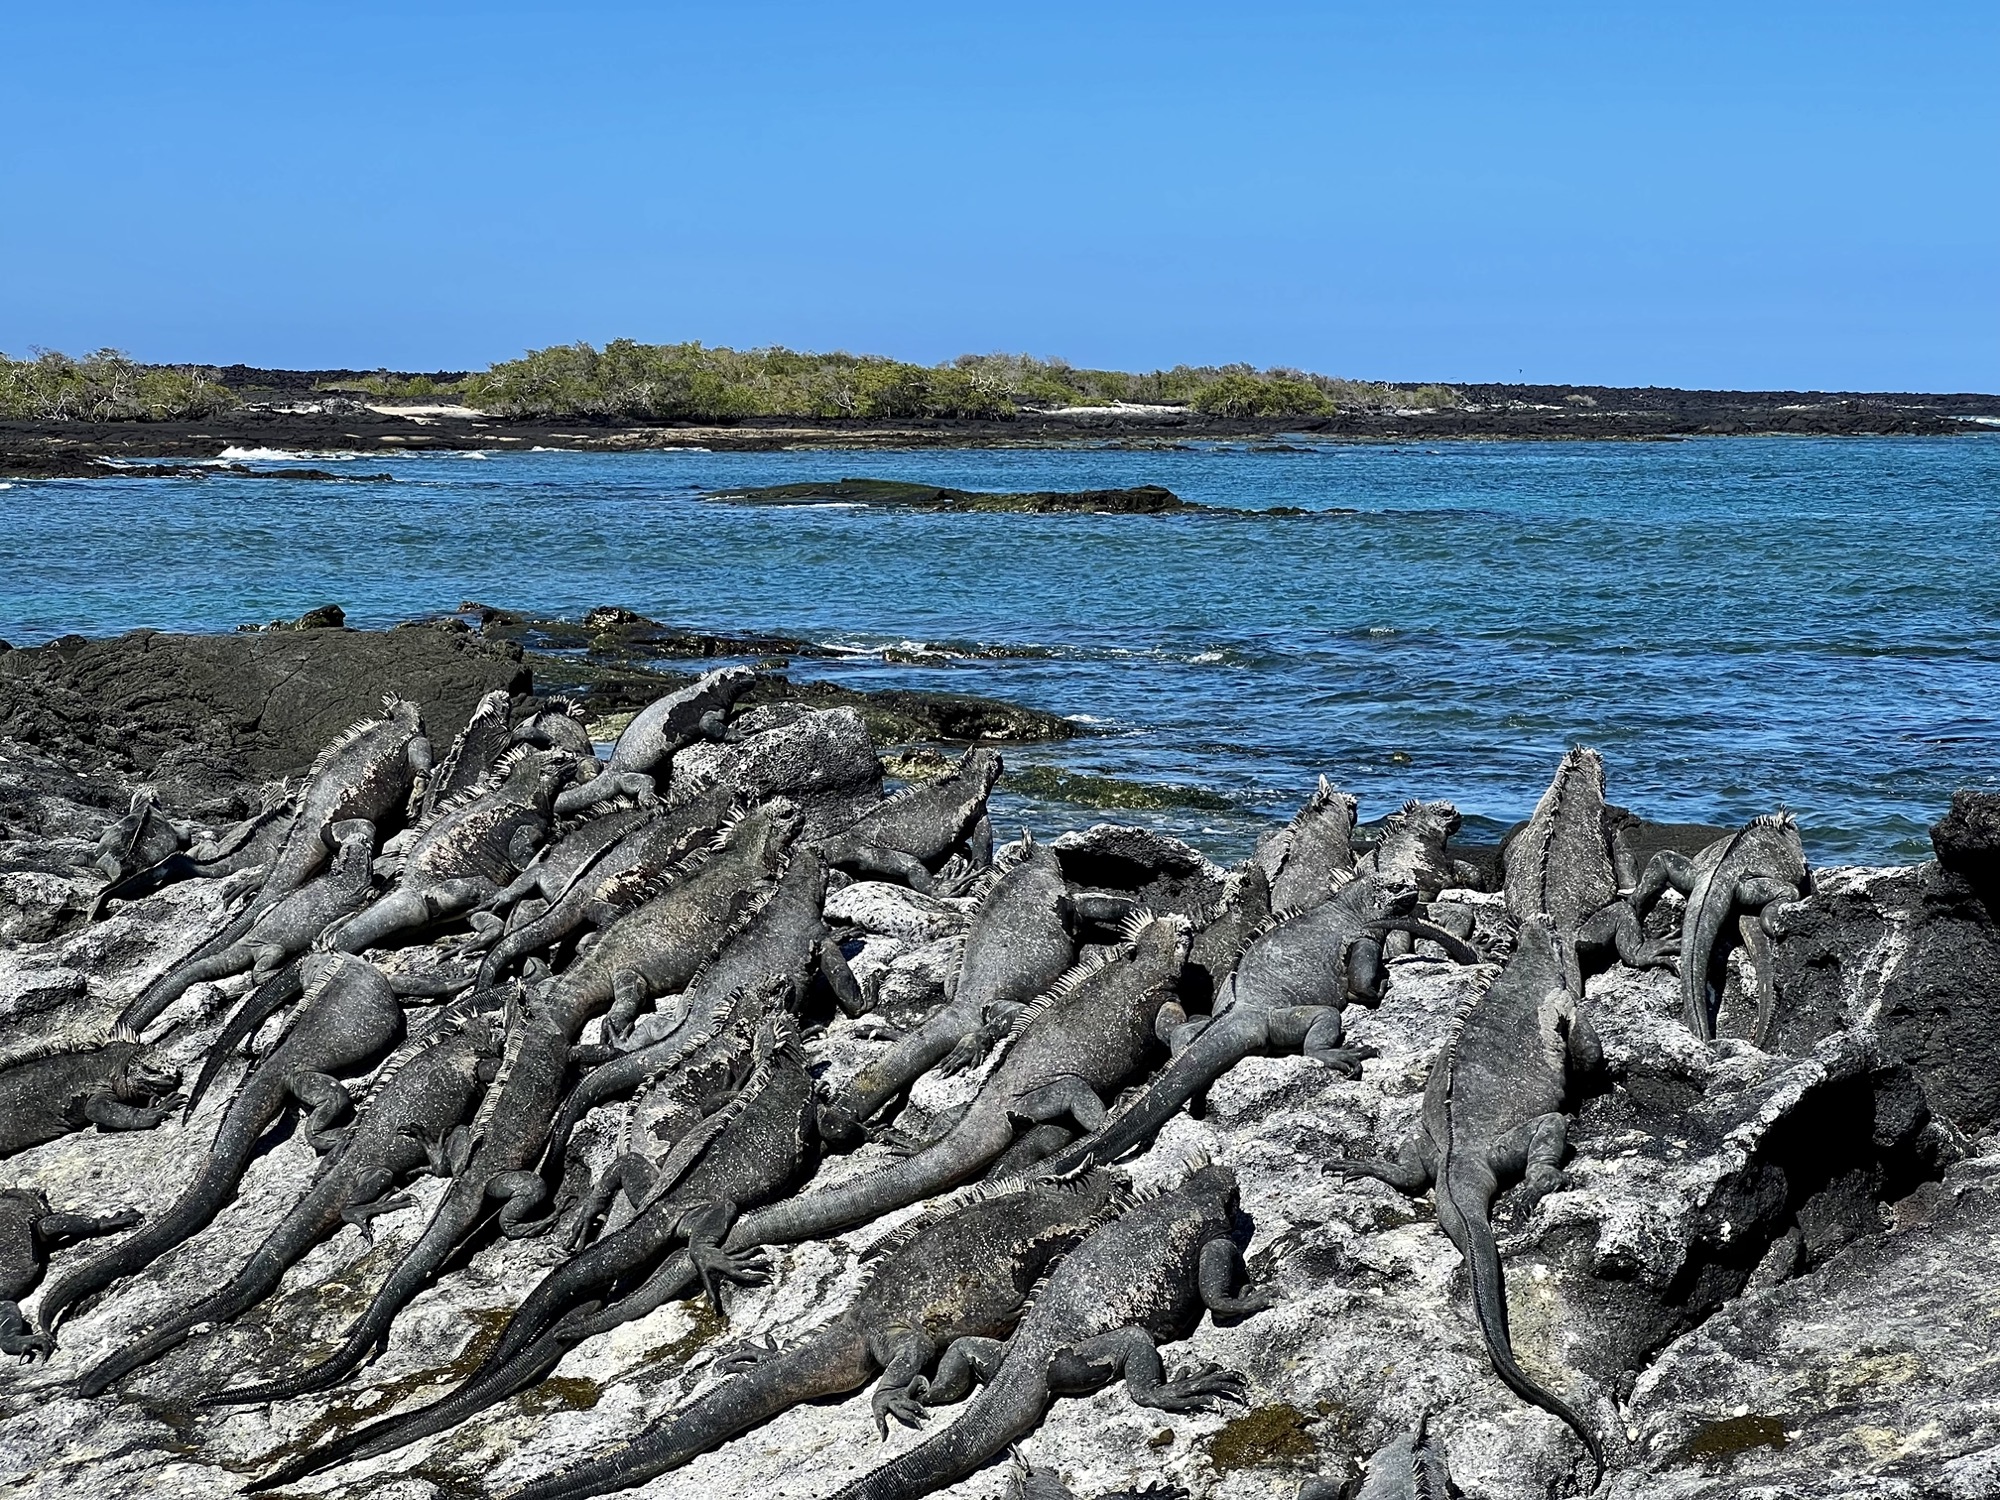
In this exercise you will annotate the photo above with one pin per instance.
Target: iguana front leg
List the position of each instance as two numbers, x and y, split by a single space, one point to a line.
836 974
629 995
52 1227
1616 927
1219 1276
1061 1097
979 842
632 1174
17 1338
326 1100
1757 946
1664 870
1411 1170
1129 1352
372 1196
1534 1153
901 1390
889 864
1035 1144
705 1226
107 1111
966 1364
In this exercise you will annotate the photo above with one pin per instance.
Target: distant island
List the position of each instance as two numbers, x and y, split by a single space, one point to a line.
59 415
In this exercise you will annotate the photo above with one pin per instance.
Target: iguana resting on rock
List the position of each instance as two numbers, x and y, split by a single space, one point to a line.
473 847
348 1020
585 874
407 1121
751 1150
962 1270
1563 864
472 756
909 835
249 845
368 772
1286 994
1410 849
1137 1281
1026 1482
666 725
1301 859
29 1231
1085 1036
281 931
1493 1113
143 839
1222 930
654 948
119 1084
1018 945
1736 879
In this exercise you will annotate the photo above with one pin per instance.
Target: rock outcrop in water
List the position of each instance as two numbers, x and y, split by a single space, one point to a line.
1761 1270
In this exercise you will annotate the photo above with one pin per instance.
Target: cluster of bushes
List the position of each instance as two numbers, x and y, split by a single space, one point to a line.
107 386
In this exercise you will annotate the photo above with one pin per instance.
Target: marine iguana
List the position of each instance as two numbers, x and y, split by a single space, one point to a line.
662 728
751 1150
249 845
116 1084
1286 993
1563 864
29 1230
1142 1278
962 1270
909 835
1018 945
1737 878
407 1121
472 756
1084 1036
1301 859
1410 1466
1222 931
1027 1482
655 947
584 874
471 848
367 772
1410 849
281 931
559 725
1493 1112
348 1020
141 840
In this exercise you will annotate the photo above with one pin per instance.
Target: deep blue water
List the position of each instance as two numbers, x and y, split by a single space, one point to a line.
1737 624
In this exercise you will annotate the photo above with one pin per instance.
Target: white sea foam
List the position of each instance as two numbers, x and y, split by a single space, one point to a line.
475 453
1206 656
288 456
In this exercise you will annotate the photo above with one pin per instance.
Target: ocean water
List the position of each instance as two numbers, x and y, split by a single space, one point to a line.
1737 624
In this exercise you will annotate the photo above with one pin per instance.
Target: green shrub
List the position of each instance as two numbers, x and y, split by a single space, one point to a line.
107 386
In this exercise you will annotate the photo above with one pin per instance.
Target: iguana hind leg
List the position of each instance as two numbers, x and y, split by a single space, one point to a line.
1411 1170
901 1390
17 1338
1757 948
326 1100
1533 1152
1667 869
1061 1097
879 862
1223 1280
1096 1362
523 1193
965 1364
705 1227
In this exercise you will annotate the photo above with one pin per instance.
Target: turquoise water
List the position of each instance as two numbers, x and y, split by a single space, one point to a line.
1737 624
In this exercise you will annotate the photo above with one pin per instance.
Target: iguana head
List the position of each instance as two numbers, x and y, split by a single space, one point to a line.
1159 938
1433 822
1781 852
725 685
766 833
982 767
403 713
146 1073
353 845
1213 1182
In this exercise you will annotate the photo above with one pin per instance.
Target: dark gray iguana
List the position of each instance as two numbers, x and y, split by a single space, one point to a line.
279 933
116 1084
408 1121
964 1269
1563 864
1084 1037
472 756
1025 1481
144 839
1301 859
1140 1280
249 845
654 948
584 875
660 730
348 1020
29 1231
1286 994
1410 849
471 848
1736 879
1018 945
1493 1114
909 835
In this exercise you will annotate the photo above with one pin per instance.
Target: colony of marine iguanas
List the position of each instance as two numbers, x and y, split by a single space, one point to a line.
604 942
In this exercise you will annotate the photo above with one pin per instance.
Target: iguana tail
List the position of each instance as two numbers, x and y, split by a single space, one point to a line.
980 1135
610 1260
831 1362
171 985
1489 1303
1001 1414
258 1007
316 1216
883 1078
1229 1039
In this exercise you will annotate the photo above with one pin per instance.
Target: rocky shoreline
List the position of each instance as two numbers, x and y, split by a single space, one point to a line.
1765 1266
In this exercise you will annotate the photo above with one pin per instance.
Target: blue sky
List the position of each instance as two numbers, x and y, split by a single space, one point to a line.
1730 195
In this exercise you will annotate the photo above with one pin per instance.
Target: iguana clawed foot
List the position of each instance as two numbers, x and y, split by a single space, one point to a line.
716 1265
874 1029
1345 1061
904 1403
746 1355
1204 1390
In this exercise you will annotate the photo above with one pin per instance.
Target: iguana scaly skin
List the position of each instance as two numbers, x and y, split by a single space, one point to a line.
250 845
281 931
472 848
1411 849
559 726
1493 1112
1737 879
1301 859
587 873
1018 945
368 772
141 840
1286 994
1026 1482
29 1231
472 756
963 1270
1222 931
654 948
1563 864
661 729
908 836
348 1020
1141 1279
1084 1037
1410 1466
405 1123
752 1149
120 1084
